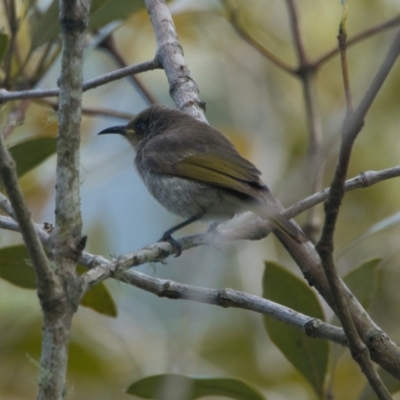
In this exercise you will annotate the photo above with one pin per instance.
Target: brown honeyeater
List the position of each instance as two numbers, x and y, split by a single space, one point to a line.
195 172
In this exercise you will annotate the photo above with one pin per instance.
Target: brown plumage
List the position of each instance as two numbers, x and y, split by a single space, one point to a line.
194 171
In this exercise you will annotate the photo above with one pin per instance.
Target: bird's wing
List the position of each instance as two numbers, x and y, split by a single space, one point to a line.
198 156
216 161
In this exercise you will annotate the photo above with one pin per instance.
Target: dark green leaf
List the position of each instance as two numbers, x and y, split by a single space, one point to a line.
99 299
362 281
101 13
48 26
30 153
309 356
235 351
15 267
22 341
105 11
380 226
4 39
177 386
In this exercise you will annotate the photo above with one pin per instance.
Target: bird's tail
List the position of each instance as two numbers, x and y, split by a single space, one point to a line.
271 209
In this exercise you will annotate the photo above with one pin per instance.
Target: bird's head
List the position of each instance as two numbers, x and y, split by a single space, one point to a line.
152 121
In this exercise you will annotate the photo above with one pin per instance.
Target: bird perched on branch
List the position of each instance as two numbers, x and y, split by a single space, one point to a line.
195 172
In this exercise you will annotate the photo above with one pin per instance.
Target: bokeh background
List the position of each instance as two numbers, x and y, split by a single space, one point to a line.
261 109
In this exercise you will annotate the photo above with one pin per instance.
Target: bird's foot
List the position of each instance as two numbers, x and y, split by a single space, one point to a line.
216 235
213 228
173 242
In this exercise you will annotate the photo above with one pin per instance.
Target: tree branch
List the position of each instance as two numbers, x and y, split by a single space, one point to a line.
384 351
6 95
391 23
307 75
169 54
109 44
185 94
92 111
352 126
231 298
15 206
66 242
297 38
13 24
342 40
233 18
6 206
253 231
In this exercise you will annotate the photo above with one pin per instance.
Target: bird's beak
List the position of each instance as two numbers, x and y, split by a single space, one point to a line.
120 129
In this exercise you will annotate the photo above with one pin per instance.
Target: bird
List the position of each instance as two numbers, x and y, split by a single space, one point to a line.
195 172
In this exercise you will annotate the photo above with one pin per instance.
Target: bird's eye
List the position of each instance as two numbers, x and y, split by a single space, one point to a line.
140 127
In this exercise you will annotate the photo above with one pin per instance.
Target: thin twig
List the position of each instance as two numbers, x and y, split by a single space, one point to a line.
253 231
91 111
233 18
39 67
391 23
352 127
383 350
13 24
342 40
313 327
6 206
109 44
307 75
47 59
16 117
10 224
364 180
229 298
296 35
6 95
315 161
46 281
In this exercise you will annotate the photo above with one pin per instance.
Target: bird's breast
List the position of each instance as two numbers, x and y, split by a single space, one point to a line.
187 197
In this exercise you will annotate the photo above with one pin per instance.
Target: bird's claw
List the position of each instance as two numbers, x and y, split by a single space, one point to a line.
174 243
213 228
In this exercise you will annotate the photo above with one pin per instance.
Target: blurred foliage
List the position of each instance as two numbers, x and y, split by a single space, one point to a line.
390 382
262 109
30 153
16 268
309 356
362 281
102 12
174 386
4 39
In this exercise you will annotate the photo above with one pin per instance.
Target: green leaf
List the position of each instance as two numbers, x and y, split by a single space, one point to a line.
99 298
380 226
309 356
15 267
105 11
30 153
101 13
177 386
4 39
235 352
48 26
362 281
